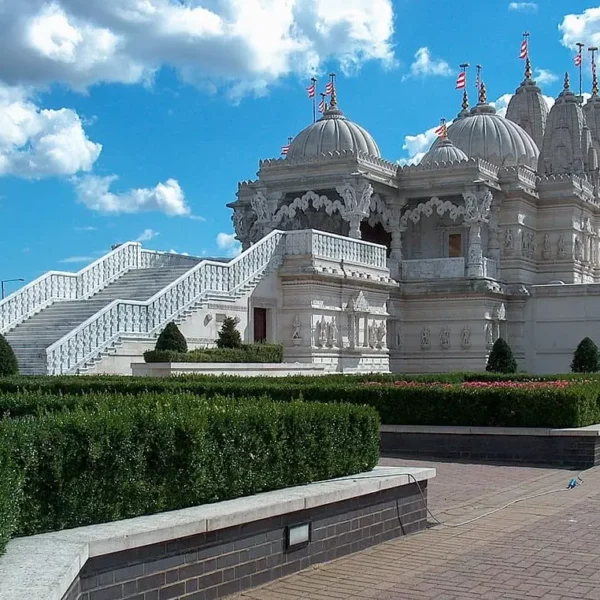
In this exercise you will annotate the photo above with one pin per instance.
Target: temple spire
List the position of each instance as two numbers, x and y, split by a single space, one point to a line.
567 83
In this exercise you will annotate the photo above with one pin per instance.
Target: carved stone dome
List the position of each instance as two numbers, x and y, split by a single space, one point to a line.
333 132
444 152
484 134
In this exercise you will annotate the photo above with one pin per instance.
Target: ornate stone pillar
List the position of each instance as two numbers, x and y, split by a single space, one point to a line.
477 212
356 197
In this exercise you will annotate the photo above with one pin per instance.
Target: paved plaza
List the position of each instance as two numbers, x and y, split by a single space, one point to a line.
544 547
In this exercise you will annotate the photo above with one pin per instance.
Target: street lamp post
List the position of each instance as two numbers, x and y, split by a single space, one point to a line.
8 281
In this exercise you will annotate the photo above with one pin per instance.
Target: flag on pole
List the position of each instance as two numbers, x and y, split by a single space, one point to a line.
322 106
577 60
285 149
524 49
329 88
461 81
441 130
311 90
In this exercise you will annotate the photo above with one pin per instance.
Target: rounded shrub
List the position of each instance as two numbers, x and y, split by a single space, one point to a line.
171 339
8 360
229 336
585 357
501 359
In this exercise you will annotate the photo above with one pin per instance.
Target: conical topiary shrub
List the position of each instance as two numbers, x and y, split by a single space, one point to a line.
171 339
501 359
229 336
8 360
585 357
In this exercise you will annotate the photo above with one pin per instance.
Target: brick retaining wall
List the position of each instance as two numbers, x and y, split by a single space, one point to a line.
223 562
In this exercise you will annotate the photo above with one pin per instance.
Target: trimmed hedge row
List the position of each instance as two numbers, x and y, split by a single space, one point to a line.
130 456
249 353
572 405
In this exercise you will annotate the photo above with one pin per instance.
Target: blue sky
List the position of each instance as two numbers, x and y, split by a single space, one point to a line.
135 119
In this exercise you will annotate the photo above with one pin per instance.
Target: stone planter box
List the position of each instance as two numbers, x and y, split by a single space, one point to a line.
239 369
215 550
577 447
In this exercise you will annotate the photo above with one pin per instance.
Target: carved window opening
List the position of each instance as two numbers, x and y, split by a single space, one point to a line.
376 234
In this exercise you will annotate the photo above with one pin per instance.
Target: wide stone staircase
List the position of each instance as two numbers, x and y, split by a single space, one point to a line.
31 338
66 323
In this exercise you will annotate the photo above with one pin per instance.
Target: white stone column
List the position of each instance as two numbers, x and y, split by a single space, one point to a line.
477 212
475 253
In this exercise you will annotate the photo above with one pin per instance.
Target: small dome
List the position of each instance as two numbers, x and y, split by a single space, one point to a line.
444 152
333 132
484 134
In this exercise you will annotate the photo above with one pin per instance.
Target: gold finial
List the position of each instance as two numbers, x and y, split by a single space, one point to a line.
528 71
482 94
465 101
567 84
333 103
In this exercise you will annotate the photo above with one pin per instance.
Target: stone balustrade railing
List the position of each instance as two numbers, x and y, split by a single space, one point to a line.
207 279
433 268
151 258
59 285
336 247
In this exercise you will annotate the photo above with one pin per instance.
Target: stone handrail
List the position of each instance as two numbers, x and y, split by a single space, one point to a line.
131 317
61 285
152 258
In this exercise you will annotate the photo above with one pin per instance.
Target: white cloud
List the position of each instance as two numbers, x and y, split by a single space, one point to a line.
36 142
425 65
77 259
228 243
147 235
85 228
247 44
523 6
583 27
416 146
94 192
544 76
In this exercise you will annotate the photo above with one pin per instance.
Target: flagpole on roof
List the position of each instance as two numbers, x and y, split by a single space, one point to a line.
461 84
525 54
333 93
314 98
593 50
579 64
478 78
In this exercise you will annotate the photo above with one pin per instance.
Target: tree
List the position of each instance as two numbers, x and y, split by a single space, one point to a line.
171 339
501 359
585 357
8 360
229 336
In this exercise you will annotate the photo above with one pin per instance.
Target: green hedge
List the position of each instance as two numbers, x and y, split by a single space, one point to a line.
132 456
249 353
448 404
10 484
